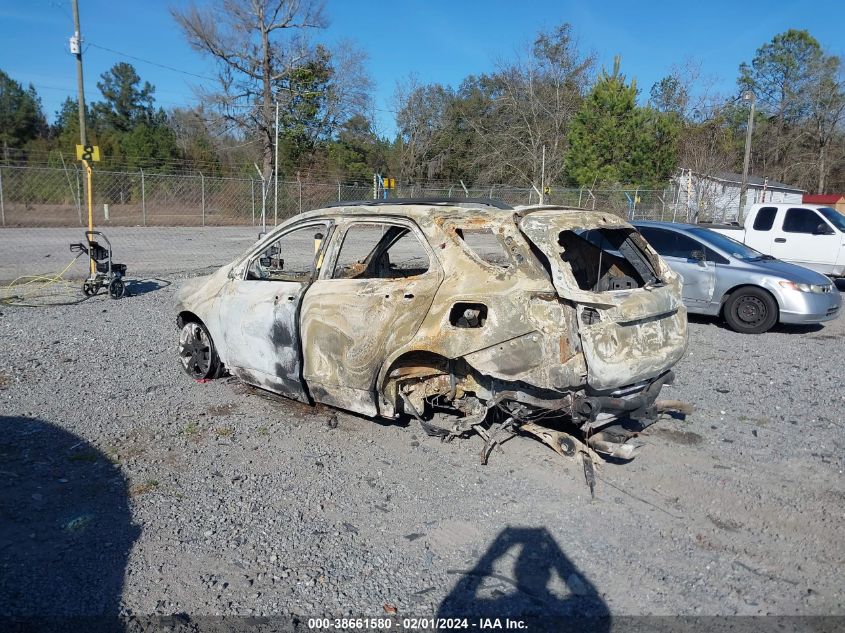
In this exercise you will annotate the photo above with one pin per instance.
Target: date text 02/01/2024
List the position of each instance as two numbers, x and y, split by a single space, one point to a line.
415 624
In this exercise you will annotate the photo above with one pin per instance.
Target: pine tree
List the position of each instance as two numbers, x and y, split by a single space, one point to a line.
21 117
614 142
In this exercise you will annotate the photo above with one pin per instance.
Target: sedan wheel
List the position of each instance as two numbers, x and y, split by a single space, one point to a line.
197 353
751 311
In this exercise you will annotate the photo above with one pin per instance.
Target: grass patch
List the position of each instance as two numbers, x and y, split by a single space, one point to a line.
224 431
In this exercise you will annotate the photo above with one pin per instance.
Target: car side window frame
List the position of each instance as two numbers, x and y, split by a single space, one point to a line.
717 258
342 229
699 246
820 220
657 230
677 237
769 221
319 257
710 254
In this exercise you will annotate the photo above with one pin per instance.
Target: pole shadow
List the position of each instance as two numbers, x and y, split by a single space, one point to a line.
65 531
135 287
515 578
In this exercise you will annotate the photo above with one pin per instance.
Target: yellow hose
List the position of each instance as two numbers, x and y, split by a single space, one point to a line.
27 287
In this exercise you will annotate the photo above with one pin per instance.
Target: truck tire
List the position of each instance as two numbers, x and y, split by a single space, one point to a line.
751 310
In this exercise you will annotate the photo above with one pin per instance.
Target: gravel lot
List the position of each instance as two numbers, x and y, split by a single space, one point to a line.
126 487
154 250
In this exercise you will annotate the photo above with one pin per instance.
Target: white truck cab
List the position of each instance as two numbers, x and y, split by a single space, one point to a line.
809 235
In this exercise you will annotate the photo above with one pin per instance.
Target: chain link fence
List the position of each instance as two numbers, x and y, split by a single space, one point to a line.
55 197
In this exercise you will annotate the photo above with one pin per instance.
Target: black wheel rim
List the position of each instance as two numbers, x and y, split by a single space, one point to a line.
751 310
195 350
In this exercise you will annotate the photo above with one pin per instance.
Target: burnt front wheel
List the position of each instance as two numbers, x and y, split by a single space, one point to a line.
197 353
751 311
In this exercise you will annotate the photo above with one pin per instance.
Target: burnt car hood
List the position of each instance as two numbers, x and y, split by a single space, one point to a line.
627 335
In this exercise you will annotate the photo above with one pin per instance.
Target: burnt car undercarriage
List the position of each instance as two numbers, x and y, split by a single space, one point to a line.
576 425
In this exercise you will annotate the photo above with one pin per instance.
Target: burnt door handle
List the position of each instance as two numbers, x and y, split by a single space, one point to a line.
780 240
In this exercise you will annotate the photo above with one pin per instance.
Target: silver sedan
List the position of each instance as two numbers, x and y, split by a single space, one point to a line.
750 290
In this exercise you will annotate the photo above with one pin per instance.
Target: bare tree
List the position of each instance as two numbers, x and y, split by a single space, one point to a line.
826 113
494 128
346 91
706 142
261 49
421 122
788 75
688 92
534 101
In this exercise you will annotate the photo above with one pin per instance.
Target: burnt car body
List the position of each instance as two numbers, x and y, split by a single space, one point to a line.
548 320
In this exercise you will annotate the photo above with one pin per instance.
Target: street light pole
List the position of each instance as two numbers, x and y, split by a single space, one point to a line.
264 188
750 97
276 171
543 178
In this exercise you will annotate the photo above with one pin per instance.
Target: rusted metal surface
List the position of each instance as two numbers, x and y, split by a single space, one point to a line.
475 335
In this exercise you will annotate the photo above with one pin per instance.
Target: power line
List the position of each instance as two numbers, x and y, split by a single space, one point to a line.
152 63
214 120
92 89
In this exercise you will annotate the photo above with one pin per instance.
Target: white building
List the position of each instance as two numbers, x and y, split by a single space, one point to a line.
716 196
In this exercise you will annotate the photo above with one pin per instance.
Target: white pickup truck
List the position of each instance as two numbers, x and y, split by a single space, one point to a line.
806 234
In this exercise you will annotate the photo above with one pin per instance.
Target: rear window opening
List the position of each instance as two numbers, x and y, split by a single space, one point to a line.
603 260
486 245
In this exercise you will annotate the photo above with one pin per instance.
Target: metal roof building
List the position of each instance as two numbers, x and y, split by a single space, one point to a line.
716 196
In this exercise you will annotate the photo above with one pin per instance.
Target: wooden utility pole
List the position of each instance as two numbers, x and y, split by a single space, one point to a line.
76 49
749 130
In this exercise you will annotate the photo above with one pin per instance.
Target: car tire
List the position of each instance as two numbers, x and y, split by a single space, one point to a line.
751 310
197 352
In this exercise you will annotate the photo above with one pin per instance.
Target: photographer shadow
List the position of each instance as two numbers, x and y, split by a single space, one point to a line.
545 587
65 531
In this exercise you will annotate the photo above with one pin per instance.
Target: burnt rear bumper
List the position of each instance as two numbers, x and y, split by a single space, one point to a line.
639 406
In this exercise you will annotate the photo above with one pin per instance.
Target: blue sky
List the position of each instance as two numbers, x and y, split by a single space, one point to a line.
436 40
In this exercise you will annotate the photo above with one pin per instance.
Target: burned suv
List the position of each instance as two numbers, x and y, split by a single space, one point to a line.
468 315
